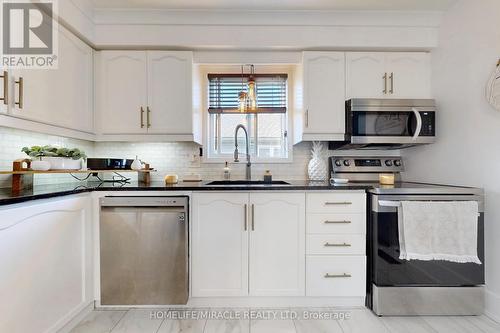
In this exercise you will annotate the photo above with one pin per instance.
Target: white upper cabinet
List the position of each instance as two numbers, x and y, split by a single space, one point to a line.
145 92
122 92
388 75
409 74
324 96
219 244
365 75
61 97
277 244
169 92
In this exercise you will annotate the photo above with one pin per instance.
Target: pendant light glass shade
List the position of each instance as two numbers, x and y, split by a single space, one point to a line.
242 101
247 100
252 94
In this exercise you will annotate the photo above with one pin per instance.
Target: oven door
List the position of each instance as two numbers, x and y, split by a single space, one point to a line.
385 267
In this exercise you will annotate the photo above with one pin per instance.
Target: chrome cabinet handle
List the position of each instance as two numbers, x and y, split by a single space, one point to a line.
392 83
337 245
385 84
337 222
5 97
338 203
344 275
253 217
148 117
307 118
142 117
246 217
20 83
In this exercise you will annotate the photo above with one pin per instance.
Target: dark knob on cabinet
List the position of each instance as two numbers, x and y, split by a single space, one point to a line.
347 163
397 163
388 163
338 163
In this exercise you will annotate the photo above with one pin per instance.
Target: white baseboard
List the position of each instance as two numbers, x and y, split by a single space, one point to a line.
76 319
492 309
255 302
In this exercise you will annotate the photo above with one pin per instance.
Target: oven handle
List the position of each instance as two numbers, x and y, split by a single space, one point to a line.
419 124
397 204
387 203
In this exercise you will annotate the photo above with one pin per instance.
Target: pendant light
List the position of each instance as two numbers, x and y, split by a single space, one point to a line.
242 96
252 90
247 100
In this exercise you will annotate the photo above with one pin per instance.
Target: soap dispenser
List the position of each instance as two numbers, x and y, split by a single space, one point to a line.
227 172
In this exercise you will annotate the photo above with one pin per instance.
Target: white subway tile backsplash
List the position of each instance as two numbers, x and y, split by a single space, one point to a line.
167 158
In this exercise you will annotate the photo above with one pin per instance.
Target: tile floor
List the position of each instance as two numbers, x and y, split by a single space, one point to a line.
356 320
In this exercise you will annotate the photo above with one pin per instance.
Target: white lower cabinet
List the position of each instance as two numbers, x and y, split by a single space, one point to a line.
336 276
277 244
336 244
248 244
219 244
46 254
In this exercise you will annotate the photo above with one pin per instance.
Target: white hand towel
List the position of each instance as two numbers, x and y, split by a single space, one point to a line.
432 230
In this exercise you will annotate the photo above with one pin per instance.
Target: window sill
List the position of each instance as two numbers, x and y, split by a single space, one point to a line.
222 160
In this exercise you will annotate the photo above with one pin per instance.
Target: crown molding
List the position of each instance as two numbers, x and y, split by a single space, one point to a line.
270 17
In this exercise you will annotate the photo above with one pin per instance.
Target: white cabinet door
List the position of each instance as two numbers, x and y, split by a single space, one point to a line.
365 75
277 244
46 273
219 244
169 92
324 94
388 75
122 92
62 96
409 74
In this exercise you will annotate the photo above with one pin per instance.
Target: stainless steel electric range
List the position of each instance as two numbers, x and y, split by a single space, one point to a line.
401 287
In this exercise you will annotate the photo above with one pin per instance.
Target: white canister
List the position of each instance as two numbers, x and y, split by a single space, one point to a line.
63 163
39 165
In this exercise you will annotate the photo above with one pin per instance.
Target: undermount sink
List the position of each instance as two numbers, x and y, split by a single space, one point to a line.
247 182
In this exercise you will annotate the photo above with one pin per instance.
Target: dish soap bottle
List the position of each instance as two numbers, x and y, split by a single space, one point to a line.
268 177
227 172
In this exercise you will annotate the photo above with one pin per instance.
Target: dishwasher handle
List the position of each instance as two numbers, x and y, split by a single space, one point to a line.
145 201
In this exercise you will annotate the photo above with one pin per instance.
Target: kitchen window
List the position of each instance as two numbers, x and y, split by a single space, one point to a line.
267 125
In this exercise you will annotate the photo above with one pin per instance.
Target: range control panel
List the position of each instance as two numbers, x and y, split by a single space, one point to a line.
366 164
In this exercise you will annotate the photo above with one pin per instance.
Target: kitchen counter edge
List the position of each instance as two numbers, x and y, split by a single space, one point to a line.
52 191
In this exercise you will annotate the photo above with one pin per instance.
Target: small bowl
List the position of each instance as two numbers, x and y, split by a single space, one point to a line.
340 180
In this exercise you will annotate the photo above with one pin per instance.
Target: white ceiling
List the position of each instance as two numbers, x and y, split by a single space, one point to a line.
278 4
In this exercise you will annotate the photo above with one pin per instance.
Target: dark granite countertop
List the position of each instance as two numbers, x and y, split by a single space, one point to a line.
56 190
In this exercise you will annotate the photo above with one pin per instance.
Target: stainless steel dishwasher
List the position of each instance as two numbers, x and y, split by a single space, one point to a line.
144 250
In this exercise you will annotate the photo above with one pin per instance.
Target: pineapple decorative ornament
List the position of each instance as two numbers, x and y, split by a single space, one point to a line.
317 168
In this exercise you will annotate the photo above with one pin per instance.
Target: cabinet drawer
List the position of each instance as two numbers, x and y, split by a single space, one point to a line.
336 244
336 223
336 203
336 276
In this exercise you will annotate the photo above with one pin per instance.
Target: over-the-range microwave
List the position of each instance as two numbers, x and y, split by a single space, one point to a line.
389 123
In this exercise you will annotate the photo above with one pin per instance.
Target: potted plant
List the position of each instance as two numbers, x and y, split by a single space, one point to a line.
58 158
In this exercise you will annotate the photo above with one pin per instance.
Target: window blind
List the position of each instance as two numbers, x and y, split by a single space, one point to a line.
270 89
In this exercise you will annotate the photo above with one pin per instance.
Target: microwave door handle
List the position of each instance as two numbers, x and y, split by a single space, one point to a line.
419 124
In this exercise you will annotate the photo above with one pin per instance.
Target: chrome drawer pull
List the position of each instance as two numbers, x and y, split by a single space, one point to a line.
336 245
338 203
337 222
345 275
